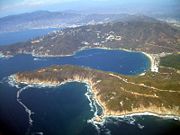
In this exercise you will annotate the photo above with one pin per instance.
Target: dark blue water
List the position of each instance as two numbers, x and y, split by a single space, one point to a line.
21 36
65 110
60 111
123 62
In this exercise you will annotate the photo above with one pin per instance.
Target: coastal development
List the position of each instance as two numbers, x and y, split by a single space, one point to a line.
96 67
137 33
156 91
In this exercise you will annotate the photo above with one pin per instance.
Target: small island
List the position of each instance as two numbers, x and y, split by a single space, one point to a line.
155 92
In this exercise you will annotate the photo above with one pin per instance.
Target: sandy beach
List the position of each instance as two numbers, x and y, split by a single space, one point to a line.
154 61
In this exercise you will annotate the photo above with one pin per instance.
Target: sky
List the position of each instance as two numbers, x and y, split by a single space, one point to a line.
9 7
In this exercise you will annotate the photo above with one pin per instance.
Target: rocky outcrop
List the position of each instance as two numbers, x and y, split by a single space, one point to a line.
117 94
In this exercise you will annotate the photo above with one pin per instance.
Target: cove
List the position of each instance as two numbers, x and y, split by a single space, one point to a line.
65 109
118 61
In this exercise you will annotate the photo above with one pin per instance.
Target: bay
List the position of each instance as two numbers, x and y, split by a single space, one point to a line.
65 110
9 38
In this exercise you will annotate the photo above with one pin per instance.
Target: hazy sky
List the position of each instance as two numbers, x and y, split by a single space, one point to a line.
8 7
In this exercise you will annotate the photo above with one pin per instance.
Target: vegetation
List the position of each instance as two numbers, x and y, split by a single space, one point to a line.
172 61
153 92
140 34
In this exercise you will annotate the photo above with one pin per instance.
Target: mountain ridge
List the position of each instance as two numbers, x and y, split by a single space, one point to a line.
144 34
47 19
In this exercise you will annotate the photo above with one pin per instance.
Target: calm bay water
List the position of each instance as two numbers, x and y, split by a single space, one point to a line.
65 110
21 36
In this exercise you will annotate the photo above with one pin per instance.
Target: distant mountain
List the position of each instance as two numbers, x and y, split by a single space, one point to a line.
46 19
138 33
39 19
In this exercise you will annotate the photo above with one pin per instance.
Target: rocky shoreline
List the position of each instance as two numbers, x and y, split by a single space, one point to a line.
153 110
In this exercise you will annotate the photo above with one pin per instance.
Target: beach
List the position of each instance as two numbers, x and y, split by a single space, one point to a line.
154 60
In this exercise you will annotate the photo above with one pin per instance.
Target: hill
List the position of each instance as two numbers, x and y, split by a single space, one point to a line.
136 33
172 61
47 19
119 95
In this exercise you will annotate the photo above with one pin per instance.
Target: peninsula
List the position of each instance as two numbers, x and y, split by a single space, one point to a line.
157 91
154 92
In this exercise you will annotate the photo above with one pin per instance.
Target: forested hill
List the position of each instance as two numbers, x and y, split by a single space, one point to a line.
140 34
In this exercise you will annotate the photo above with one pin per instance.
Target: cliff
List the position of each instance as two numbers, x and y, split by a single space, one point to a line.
119 95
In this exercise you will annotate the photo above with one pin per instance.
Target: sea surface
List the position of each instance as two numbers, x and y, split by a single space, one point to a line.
9 38
66 110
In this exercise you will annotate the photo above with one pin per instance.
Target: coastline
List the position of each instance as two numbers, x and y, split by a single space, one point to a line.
95 100
154 61
147 114
154 58
106 114
5 56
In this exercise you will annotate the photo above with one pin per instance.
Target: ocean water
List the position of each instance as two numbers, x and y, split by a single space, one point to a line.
21 36
123 62
66 110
